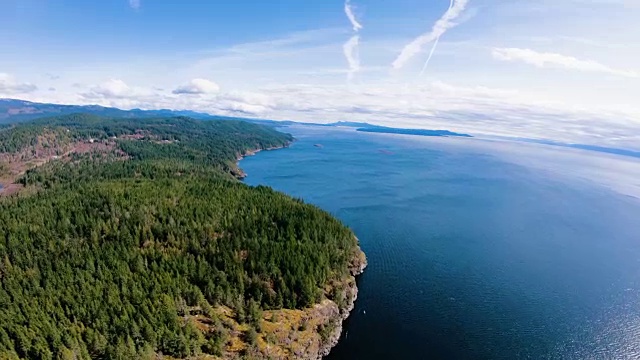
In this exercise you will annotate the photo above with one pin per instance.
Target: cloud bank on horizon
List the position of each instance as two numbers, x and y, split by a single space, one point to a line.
562 70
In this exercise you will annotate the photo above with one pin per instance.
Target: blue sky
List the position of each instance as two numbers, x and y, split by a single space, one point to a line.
560 69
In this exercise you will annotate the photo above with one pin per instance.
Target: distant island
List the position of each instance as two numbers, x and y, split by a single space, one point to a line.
366 127
419 132
351 124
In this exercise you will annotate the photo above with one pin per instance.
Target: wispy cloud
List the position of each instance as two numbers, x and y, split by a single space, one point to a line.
135 4
298 49
441 26
352 54
348 9
545 59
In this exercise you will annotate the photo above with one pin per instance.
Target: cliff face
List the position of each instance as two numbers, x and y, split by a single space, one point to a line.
358 262
307 334
357 266
321 327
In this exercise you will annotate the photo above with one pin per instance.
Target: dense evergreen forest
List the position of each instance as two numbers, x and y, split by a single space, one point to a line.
132 226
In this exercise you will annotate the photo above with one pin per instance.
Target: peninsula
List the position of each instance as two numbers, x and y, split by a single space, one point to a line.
130 238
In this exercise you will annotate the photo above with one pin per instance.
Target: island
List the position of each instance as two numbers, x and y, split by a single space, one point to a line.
419 132
133 238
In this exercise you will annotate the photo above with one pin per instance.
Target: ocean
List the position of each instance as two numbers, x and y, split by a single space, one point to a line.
477 249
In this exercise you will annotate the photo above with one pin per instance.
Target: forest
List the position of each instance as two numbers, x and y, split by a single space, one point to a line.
112 246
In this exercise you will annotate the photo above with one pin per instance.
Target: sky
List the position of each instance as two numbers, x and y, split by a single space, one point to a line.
566 70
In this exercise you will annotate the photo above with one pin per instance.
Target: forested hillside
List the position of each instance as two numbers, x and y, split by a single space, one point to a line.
134 239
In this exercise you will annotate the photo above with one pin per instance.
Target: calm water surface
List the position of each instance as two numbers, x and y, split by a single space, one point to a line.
471 255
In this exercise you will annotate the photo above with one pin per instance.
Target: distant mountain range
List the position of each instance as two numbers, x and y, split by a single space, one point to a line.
12 110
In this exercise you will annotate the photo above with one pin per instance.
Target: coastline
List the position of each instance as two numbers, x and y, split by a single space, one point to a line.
238 172
357 267
329 315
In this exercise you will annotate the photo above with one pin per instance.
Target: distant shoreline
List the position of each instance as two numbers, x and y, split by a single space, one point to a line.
239 173
417 132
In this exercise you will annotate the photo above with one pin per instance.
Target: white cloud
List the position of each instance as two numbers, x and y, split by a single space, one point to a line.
135 4
543 60
243 103
117 93
348 10
441 26
198 87
113 88
9 86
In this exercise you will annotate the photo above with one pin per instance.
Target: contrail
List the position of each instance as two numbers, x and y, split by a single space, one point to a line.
433 49
352 17
426 64
441 26
353 56
350 48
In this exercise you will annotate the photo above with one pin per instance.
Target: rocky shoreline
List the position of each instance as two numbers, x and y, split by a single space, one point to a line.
357 268
328 314
238 172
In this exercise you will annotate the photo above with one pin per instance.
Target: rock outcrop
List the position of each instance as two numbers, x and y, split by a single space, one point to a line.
356 267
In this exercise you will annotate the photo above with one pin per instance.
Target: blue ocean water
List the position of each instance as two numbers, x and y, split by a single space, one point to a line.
470 256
